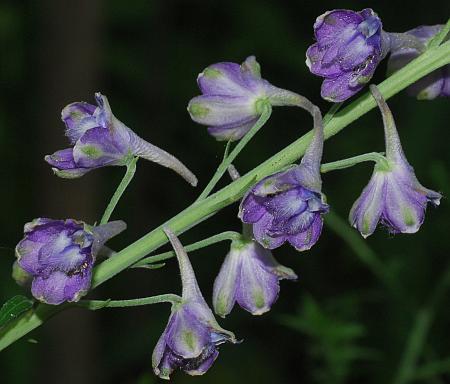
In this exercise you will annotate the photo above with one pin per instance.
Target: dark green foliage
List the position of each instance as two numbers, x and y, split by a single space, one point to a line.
13 308
334 339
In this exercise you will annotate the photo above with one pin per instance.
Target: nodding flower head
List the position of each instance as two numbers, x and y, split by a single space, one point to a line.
99 139
250 276
437 83
349 46
393 196
288 205
192 336
58 255
234 97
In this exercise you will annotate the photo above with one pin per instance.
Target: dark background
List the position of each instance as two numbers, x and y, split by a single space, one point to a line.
339 323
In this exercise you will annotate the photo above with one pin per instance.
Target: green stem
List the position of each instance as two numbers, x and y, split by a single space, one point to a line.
351 161
421 66
419 332
229 235
131 169
100 304
331 112
440 37
227 160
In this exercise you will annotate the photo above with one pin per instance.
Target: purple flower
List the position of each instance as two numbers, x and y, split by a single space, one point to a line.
288 206
393 196
192 336
99 139
234 97
348 49
59 256
249 275
407 46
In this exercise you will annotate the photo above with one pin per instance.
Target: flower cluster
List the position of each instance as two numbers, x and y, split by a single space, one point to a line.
56 257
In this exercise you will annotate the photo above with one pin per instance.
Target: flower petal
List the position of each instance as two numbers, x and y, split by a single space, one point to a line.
78 118
305 240
367 209
226 283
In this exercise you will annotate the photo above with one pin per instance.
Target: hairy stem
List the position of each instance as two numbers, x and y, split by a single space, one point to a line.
100 304
228 235
351 161
228 159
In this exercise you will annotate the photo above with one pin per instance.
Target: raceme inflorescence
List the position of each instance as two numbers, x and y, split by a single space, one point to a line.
283 203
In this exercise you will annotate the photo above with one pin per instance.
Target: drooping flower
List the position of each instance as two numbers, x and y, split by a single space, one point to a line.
393 196
192 335
234 97
250 276
99 139
288 205
349 46
407 46
59 256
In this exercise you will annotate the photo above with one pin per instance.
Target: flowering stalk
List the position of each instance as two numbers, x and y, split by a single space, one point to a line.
376 157
100 304
227 160
440 37
131 169
432 59
228 235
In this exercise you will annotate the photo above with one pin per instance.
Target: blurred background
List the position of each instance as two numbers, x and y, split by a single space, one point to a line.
361 312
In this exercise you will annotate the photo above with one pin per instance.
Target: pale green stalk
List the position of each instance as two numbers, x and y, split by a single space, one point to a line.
199 211
100 304
376 157
131 169
228 159
228 235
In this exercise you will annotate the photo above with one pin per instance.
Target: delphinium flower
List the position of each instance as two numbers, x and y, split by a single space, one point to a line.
59 256
407 46
393 196
288 205
349 46
250 276
192 335
99 139
233 98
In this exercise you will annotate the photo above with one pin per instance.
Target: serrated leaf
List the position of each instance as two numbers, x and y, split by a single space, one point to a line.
13 308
